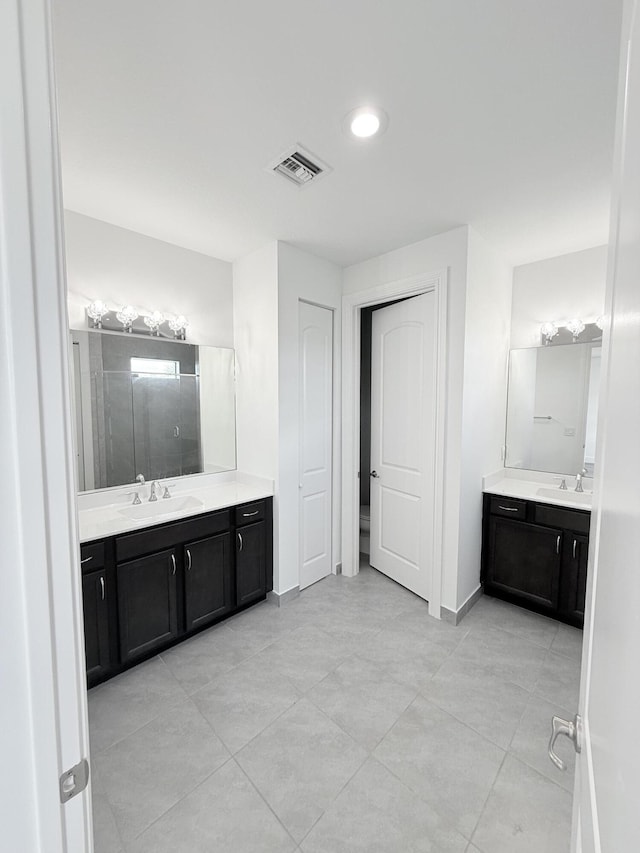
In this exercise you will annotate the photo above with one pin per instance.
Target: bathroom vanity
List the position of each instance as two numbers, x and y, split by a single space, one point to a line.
535 543
151 585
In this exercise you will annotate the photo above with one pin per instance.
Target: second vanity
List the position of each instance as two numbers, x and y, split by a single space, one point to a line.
535 543
153 575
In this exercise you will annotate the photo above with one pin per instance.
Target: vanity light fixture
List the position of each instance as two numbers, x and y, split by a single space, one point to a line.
178 326
366 122
153 321
96 311
576 327
126 315
548 331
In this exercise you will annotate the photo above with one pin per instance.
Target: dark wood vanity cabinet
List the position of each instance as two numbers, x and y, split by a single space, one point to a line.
535 555
250 562
96 625
208 593
147 604
157 585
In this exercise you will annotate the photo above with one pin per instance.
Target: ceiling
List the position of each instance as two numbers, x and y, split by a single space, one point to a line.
501 116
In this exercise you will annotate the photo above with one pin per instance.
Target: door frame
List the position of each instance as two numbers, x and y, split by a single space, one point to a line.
45 724
335 438
352 304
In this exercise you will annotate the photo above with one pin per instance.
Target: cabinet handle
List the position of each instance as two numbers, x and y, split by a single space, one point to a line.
240 540
86 560
102 586
508 508
188 560
173 563
575 543
249 514
558 544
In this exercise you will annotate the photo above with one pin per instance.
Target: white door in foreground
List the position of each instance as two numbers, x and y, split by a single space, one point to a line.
608 773
403 418
316 415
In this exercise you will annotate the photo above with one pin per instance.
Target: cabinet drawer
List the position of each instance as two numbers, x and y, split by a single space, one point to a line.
568 519
509 507
91 556
248 513
167 535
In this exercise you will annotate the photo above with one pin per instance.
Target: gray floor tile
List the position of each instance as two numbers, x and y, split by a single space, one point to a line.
525 813
305 656
502 654
516 620
489 705
363 699
204 658
225 813
531 741
241 703
447 764
129 701
151 770
568 641
411 660
376 813
106 837
425 627
559 681
472 849
299 765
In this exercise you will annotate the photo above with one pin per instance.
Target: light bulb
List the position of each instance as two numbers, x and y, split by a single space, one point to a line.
575 326
153 321
126 315
365 125
600 321
96 311
178 325
548 331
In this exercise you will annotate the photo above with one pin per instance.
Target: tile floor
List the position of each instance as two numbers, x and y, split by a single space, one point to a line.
346 720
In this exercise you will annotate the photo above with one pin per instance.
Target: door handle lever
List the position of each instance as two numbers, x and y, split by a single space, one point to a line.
374 474
568 728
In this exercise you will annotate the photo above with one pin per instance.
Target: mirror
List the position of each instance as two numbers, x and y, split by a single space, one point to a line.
150 406
552 408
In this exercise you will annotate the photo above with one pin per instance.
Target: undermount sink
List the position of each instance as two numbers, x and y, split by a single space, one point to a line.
570 496
156 509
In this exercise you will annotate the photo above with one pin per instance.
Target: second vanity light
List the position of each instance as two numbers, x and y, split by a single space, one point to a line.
551 330
123 319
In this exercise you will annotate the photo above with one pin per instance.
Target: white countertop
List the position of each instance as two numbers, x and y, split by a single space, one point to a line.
527 485
99 518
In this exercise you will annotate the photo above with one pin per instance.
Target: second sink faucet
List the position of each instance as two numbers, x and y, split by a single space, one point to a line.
152 495
579 478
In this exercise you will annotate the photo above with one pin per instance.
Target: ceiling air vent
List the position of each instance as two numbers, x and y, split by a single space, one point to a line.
299 166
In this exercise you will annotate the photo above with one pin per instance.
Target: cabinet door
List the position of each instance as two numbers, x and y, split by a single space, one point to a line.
96 625
207 580
147 604
574 577
524 561
251 560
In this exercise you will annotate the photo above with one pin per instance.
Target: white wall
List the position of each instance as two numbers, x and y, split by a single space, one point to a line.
255 330
444 251
557 289
486 353
121 266
521 406
217 408
302 276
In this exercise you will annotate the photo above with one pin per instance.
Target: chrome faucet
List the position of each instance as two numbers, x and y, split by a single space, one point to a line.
140 479
152 495
579 478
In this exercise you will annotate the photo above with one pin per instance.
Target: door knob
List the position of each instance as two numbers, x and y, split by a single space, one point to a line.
568 728
374 474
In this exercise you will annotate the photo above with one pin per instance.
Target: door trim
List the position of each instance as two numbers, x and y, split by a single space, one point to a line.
351 304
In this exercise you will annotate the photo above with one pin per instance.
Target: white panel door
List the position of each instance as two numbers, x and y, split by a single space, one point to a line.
403 418
316 415
608 769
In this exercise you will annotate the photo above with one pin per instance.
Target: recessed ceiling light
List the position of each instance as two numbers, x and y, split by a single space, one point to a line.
365 122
